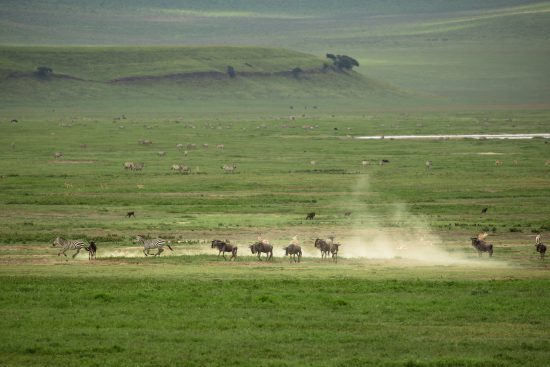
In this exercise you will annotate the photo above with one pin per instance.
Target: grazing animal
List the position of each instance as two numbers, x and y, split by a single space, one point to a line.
498 162
205 146
293 250
259 247
145 142
223 247
161 153
191 146
324 246
347 214
92 250
220 146
540 247
365 163
179 146
383 162
128 165
69 245
428 164
137 166
484 210
481 246
14 121
157 243
131 214
310 215
58 155
181 168
229 168
334 251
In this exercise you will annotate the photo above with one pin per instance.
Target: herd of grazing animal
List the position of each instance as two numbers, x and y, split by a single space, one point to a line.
293 250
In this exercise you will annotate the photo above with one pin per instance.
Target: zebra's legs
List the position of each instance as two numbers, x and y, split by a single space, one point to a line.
76 253
62 252
146 252
158 253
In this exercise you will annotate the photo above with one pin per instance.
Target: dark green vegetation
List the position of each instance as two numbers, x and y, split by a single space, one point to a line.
442 52
195 313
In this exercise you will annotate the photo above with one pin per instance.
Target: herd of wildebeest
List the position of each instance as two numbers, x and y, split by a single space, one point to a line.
261 246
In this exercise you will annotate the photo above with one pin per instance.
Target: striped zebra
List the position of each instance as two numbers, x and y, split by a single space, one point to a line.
69 245
157 243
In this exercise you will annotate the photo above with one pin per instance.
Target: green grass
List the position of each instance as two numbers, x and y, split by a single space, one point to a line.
197 313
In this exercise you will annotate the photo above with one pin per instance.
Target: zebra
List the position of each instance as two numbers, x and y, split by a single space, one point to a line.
157 243
69 245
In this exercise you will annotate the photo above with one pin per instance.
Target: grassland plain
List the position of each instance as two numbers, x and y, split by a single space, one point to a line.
444 307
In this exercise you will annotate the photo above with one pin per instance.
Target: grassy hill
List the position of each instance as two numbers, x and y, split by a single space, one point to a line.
449 52
159 77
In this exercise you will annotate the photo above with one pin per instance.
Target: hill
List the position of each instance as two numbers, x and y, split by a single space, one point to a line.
450 52
154 77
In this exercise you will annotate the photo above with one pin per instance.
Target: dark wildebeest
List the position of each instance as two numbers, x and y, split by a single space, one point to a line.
347 214
541 248
293 250
131 214
482 246
223 247
334 251
92 249
259 247
324 246
484 210
310 215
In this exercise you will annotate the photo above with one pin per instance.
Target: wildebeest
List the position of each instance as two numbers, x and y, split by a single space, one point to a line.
324 246
92 249
334 251
181 168
223 247
498 162
259 247
145 142
131 214
137 166
310 215
58 154
347 214
484 210
481 246
161 153
293 250
383 161
540 247
128 165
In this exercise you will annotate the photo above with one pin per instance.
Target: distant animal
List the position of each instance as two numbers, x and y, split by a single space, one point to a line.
229 168
223 247
157 243
428 164
161 153
310 215
383 162
347 214
14 121
220 146
313 163
58 154
334 251
131 214
365 163
484 210
540 247
547 162
498 162
293 250
69 245
145 142
183 169
137 166
205 146
324 246
481 246
259 247
92 249
179 146
128 165
191 146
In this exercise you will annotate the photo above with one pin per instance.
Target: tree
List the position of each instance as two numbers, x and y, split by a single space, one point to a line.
343 62
43 71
